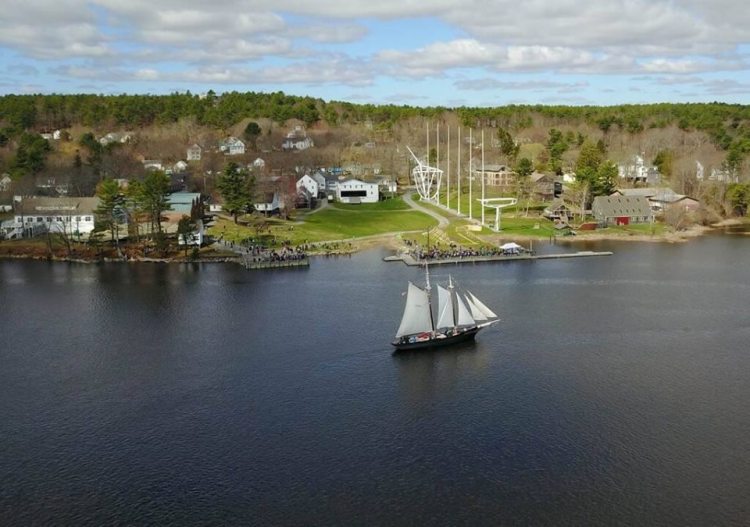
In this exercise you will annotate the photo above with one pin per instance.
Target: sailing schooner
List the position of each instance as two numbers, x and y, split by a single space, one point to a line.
459 317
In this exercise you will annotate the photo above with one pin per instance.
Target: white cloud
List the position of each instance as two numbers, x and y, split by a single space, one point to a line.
438 57
253 41
524 85
51 30
330 33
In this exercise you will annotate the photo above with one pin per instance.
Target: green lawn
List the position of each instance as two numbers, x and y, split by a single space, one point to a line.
476 207
655 229
333 223
388 204
509 224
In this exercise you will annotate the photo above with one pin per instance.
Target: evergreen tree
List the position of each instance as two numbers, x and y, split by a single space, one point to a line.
31 154
508 146
109 213
237 188
556 146
252 131
606 180
154 197
185 228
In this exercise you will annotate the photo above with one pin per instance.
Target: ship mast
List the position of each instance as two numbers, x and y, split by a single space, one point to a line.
428 288
454 305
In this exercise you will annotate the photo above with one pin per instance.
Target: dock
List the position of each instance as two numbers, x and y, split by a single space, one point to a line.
250 263
410 260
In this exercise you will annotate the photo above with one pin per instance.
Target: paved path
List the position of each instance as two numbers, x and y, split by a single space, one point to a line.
442 220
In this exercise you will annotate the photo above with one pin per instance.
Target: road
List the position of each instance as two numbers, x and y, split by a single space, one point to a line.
442 220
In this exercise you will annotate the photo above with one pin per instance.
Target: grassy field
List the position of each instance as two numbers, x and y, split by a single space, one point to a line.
389 204
476 207
656 229
333 223
509 224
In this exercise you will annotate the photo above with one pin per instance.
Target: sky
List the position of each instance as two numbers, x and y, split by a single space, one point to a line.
416 52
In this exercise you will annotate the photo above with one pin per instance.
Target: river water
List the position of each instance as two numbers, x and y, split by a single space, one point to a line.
614 391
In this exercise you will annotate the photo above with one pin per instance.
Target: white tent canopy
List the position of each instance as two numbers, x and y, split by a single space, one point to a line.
510 246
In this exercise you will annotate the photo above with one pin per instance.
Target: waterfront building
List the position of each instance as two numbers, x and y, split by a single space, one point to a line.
69 216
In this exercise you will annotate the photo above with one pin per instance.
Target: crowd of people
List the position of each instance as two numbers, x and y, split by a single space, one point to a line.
454 251
255 252
286 254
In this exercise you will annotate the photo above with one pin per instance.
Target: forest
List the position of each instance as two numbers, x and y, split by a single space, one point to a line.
671 135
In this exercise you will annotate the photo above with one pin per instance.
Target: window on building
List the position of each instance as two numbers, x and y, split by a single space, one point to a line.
87 218
39 219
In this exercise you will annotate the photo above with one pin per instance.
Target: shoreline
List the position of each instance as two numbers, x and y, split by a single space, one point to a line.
391 241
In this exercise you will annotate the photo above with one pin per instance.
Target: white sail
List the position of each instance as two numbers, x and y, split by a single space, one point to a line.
416 317
483 308
445 309
464 317
476 313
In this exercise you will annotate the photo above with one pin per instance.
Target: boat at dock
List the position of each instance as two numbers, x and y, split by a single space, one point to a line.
460 316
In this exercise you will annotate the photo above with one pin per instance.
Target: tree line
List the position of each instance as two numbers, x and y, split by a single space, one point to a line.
728 125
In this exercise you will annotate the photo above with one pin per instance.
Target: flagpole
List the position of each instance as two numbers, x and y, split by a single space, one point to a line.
482 177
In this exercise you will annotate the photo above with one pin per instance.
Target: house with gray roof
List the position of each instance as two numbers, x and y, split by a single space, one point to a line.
622 210
71 216
232 146
661 198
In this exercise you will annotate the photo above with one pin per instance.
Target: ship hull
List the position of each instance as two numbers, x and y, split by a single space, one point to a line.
463 336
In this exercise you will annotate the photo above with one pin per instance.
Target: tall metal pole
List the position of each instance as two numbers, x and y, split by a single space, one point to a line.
437 161
458 206
471 171
448 169
427 133
482 177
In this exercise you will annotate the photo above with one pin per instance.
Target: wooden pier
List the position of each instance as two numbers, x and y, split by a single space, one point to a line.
250 263
410 260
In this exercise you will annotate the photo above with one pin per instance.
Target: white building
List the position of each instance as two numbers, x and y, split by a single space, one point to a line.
152 164
195 237
232 146
271 203
309 184
297 140
387 185
71 216
180 166
719 174
52 136
115 137
5 183
320 179
259 164
194 153
639 172
356 191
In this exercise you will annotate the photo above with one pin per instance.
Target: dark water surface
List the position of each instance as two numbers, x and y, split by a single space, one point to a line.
615 391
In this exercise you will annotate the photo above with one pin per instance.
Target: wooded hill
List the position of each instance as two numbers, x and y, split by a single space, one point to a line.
674 135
